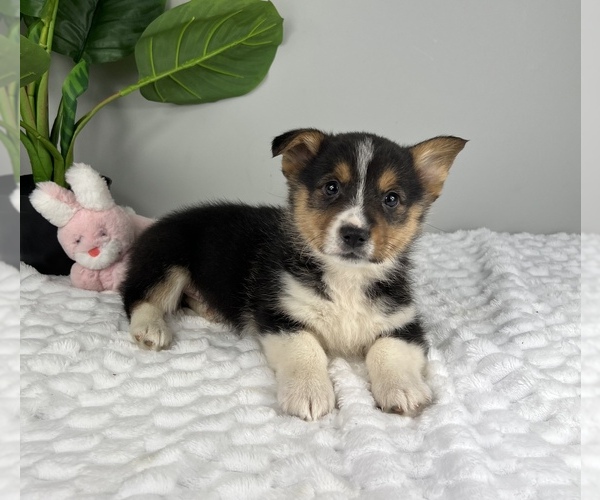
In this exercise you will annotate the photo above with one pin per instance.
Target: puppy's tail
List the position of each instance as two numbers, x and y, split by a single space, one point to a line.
164 291
156 272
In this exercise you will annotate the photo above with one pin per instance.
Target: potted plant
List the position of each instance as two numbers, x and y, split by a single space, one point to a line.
9 76
9 130
201 51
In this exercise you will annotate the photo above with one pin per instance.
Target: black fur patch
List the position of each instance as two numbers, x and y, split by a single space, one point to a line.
412 333
237 255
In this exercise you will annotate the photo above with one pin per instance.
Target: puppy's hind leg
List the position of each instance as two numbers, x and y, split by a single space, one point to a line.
148 326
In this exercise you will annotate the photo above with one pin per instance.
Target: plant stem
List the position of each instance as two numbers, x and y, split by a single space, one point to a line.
36 165
88 116
55 133
10 130
46 36
26 109
84 120
30 92
8 112
40 96
49 147
57 167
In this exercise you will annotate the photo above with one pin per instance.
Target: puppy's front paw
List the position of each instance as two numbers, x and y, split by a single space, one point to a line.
306 395
403 393
154 335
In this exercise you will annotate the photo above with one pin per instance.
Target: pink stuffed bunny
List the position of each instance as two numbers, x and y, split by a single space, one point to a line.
93 231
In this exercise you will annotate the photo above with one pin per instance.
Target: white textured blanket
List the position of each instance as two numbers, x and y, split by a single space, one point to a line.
9 382
590 357
102 419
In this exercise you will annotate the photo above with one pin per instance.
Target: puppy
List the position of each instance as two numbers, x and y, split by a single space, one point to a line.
326 275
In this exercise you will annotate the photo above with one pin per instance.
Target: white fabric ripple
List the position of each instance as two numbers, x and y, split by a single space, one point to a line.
9 382
102 419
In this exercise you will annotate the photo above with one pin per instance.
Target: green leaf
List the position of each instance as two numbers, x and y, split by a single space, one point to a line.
35 61
9 61
75 84
102 31
32 8
208 50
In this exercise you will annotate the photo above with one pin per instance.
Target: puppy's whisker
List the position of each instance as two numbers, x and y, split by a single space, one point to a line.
434 227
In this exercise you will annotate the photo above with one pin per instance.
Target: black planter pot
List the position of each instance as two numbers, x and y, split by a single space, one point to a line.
9 223
39 245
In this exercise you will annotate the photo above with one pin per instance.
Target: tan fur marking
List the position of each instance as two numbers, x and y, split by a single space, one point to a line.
312 223
343 173
433 159
197 304
289 166
299 150
311 139
148 327
387 181
389 240
167 294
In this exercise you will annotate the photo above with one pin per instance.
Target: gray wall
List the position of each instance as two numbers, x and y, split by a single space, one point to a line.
5 165
505 75
590 110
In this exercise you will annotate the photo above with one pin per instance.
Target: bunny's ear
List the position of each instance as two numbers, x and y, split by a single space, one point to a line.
90 189
55 203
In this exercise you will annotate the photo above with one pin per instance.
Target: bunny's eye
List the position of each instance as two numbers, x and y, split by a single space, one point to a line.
103 232
78 241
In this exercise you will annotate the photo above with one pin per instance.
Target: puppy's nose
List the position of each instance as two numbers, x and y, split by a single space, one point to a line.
354 237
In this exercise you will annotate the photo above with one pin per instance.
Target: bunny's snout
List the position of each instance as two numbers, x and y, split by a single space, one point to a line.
94 252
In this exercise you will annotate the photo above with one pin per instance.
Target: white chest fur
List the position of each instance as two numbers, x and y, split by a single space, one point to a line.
348 321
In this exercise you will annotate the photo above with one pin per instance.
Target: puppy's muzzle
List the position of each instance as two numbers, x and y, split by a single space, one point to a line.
354 238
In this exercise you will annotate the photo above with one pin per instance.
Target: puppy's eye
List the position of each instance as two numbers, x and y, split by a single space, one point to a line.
331 188
391 199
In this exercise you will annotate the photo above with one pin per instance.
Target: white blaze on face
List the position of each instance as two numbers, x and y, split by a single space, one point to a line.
354 215
364 155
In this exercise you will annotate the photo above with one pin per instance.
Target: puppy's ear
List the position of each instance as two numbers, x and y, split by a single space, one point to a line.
433 159
297 147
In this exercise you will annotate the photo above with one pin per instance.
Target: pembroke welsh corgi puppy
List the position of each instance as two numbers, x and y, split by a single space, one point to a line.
326 275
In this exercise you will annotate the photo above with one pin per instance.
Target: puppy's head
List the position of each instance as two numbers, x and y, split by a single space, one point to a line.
360 198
